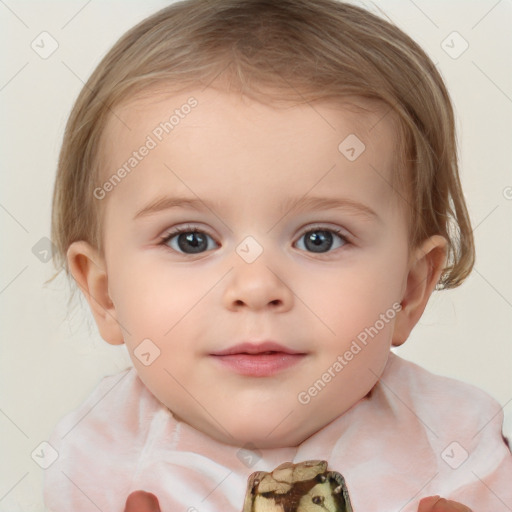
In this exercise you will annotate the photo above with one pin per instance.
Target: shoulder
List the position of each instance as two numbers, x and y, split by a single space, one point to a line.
118 399
416 382
102 440
448 408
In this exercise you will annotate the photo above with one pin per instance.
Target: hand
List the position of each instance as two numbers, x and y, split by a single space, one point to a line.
142 501
438 504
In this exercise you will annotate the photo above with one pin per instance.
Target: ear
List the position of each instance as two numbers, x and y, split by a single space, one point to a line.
89 271
425 268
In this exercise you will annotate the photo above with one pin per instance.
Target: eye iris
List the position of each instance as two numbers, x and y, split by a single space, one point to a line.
192 242
318 241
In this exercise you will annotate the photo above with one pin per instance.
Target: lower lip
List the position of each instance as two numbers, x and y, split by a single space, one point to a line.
259 365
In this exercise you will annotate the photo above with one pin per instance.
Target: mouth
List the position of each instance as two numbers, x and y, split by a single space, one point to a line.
258 360
266 347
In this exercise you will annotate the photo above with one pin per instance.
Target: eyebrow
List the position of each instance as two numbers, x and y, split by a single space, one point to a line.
166 203
327 203
292 205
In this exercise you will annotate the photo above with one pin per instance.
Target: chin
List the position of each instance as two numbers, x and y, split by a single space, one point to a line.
262 435
257 442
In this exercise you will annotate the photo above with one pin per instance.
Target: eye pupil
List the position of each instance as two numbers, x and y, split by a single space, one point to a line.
318 241
192 242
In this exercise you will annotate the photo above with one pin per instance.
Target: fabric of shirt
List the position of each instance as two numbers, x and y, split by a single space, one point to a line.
414 435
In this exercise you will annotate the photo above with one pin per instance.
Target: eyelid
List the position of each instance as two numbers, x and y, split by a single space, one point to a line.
185 228
338 230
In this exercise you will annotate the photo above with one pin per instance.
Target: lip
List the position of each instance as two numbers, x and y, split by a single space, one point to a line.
255 348
258 359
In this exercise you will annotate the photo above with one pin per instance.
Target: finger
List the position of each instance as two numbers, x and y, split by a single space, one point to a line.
438 504
427 504
450 506
142 501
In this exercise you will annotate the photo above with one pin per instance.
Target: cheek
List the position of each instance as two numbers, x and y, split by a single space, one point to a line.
351 299
147 299
155 309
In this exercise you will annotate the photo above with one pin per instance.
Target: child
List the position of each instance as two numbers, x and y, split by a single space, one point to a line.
258 199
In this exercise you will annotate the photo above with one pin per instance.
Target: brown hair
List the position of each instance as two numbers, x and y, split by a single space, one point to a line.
305 50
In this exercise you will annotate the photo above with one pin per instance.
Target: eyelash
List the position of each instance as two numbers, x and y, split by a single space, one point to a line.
179 230
336 231
164 240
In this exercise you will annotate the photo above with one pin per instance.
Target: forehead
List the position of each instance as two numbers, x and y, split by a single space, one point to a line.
156 105
212 137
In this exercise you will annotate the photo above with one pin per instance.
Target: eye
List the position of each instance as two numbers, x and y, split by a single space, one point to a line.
189 241
321 240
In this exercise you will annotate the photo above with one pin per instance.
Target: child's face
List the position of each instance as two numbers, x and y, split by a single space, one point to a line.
295 244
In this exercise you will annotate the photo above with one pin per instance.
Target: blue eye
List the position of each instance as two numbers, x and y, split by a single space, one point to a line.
320 240
190 241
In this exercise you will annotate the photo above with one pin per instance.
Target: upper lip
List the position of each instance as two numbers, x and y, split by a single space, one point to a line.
255 348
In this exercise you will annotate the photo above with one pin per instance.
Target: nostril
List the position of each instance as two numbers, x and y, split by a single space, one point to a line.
275 302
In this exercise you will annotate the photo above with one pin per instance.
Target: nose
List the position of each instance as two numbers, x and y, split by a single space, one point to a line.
254 286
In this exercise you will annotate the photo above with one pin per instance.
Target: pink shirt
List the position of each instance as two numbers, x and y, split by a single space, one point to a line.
415 435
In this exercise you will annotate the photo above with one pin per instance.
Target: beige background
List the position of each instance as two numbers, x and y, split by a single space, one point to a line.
51 355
